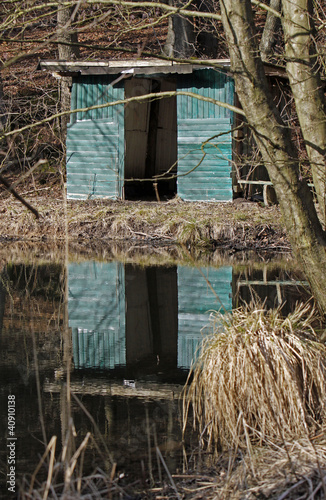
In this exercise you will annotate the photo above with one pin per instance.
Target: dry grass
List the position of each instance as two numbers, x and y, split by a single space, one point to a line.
258 396
294 470
260 387
65 481
260 376
174 221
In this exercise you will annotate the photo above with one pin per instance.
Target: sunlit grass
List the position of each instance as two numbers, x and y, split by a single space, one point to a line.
187 223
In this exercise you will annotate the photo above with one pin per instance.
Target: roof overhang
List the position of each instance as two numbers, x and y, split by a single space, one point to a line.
131 66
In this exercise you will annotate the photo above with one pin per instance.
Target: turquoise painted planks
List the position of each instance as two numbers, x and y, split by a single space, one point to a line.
208 194
96 136
223 121
195 301
201 183
198 174
207 83
94 125
86 94
196 181
106 154
92 163
196 161
91 179
96 309
94 139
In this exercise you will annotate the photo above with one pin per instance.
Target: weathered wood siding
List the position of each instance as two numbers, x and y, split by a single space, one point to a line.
205 168
136 128
96 151
195 301
96 310
166 140
95 140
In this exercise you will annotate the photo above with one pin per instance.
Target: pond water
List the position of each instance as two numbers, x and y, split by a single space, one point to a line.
129 334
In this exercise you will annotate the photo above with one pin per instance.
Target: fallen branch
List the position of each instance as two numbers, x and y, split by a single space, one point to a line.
19 198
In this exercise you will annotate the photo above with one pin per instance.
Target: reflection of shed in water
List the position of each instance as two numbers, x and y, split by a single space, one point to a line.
96 309
195 299
150 318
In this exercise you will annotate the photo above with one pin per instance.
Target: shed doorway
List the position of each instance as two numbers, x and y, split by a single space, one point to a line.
150 140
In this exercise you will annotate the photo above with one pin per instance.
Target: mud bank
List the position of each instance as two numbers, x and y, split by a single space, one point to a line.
236 226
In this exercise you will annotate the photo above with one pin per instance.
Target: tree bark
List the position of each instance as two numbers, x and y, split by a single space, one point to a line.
274 140
271 27
302 69
180 40
66 33
3 118
67 51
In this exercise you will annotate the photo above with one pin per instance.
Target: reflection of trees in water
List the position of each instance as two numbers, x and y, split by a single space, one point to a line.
133 425
36 280
3 293
271 286
31 303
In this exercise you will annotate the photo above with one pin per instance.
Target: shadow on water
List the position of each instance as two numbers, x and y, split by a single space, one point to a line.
133 332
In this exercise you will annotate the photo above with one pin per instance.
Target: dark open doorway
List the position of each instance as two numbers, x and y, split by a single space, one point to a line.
150 140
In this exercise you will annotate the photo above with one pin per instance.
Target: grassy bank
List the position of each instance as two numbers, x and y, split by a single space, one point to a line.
239 225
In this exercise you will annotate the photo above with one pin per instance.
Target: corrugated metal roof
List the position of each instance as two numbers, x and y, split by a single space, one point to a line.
143 66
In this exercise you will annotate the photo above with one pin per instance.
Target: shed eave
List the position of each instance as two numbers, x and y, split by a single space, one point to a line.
145 66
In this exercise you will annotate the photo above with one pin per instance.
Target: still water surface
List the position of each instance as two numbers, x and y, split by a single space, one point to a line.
130 337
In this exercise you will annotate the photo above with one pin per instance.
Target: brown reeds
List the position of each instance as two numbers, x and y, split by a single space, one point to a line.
260 377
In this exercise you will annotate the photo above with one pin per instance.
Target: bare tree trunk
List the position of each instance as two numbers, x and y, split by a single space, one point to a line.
68 50
302 68
180 40
274 140
2 108
66 33
271 27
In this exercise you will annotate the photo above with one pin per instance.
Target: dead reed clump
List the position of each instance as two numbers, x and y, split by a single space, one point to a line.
293 470
260 377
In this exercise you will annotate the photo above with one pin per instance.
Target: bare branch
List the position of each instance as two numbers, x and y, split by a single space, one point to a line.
158 95
20 198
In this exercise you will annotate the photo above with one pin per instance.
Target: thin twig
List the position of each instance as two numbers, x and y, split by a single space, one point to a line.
285 494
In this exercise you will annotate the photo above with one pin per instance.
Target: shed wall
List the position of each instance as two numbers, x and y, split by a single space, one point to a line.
204 137
96 310
95 140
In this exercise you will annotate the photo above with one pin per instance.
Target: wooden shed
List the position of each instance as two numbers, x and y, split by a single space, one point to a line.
114 146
